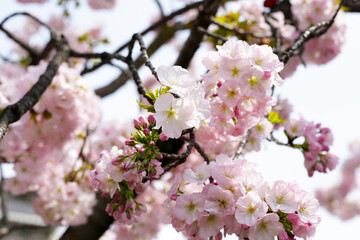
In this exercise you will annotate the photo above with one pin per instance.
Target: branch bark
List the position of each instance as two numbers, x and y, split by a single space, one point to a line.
13 113
193 42
96 225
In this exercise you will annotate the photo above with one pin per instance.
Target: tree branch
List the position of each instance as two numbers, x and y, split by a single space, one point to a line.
312 32
154 26
96 225
174 160
198 149
195 38
163 37
239 33
13 113
242 144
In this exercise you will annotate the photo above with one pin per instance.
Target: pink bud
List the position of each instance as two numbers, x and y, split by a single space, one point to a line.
321 139
332 161
129 143
146 131
137 124
116 161
219 84
267 74
143 121
163 137
320 167
174 197
151 119
325 130
152 143
141 150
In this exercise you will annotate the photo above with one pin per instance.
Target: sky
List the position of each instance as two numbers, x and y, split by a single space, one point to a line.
327 94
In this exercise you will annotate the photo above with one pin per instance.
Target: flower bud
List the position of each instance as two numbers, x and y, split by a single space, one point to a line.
146 131
143 121
151 120
163 137
130 143
137 124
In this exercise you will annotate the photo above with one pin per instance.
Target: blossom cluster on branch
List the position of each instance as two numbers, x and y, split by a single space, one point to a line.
231 195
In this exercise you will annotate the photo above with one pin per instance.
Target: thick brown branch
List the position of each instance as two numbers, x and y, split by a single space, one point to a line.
352 5
174 160
13 113
195 38
96 225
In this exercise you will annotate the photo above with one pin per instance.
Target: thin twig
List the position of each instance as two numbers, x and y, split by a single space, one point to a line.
312 32
180 158
154 26
198 148
28 15
140 86
275 34
278 142
104 56
144 55
165 35
32 52
161 9
242 144
217 36
237 32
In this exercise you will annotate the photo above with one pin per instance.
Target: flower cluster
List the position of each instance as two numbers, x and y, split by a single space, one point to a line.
237 82
65 196
339 199
184 107
148 224
323 49
232 195
312 139
316 144
247 16
121 173
65 110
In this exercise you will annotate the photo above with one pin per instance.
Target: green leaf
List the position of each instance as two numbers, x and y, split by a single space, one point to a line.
146 107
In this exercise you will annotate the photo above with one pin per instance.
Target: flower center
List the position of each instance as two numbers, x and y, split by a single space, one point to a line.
171 114
235 71
253 81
